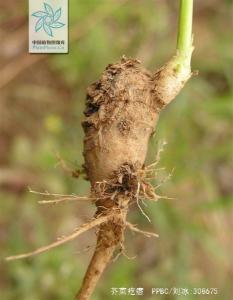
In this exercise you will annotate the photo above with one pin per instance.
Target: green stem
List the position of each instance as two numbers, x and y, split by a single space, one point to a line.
184 38
177 70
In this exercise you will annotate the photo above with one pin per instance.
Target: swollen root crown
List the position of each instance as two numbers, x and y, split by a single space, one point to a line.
122 109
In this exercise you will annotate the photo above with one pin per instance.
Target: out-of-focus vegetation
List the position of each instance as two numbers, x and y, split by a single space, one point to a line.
42 99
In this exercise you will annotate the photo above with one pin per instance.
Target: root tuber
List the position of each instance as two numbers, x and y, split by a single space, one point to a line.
122 109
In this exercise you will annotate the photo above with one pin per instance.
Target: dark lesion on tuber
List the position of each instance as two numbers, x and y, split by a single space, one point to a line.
124 126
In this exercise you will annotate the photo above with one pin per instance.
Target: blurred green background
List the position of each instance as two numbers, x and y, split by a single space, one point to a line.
41 105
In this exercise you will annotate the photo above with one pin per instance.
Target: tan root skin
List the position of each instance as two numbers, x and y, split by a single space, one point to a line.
122 109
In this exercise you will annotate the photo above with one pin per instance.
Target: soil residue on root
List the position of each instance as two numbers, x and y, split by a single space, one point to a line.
120 117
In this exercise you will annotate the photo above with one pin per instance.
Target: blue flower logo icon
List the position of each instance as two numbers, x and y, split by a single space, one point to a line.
48 19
